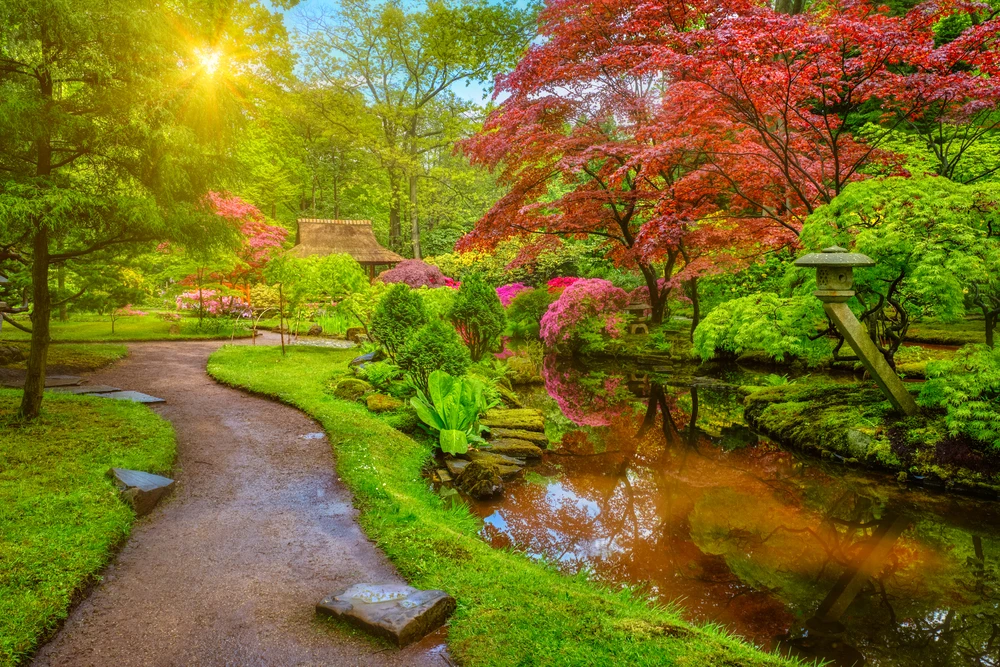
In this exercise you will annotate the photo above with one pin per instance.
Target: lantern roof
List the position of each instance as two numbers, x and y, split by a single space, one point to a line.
835 256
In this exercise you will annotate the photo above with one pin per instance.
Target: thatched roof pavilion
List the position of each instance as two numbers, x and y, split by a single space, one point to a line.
317 236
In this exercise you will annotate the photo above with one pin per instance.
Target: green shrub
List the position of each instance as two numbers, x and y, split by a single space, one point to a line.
438 301
478 316
778 327
968 388
434 347
399 314
524 315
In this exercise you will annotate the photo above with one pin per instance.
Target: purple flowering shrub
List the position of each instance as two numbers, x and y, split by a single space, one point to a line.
415 273
587 306
508 292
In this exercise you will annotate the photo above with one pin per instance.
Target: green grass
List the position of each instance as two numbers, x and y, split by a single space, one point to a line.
133 328
511 610
952 333
60 516
78 357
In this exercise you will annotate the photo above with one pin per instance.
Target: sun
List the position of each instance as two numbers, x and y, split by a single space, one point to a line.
209 60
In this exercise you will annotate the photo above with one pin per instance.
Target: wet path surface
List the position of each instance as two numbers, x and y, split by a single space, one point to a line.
228 570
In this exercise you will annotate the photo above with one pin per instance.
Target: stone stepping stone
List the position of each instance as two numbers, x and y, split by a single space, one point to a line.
539 439
141 490
136 396
400 613
521 449
86 389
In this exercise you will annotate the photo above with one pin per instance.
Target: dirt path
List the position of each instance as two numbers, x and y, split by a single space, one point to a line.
227 571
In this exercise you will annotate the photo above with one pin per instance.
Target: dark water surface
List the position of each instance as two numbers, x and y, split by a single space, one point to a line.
659 484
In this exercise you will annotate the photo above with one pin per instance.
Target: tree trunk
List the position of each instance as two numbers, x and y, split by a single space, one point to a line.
656 300
414 221
695 305
395 233
34 383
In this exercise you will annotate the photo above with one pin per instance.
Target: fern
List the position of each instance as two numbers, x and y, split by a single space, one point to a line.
968 388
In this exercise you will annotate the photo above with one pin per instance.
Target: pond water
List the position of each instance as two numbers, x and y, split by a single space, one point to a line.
659 484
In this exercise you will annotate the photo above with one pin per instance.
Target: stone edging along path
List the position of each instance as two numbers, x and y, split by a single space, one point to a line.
229 569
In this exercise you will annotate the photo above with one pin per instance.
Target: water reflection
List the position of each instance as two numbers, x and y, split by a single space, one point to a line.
661 485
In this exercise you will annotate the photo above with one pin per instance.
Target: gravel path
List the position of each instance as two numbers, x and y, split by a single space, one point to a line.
227 571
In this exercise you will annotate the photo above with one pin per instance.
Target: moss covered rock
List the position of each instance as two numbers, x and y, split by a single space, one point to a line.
382 403
481 479
521 449
524 419
404 419
350 389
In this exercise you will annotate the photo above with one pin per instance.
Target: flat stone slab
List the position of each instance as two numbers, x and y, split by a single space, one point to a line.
141 490
456 466
402 614
86 389
136 396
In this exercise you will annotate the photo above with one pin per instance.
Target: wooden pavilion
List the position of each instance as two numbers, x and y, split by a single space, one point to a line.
317 236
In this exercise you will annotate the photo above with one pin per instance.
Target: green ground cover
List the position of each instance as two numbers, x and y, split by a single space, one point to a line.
78 357
60 516
511 610
133 328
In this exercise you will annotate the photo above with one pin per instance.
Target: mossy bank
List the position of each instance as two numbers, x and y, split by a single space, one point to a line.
854 423
511 610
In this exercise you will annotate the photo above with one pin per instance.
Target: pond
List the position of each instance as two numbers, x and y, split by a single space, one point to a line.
658 484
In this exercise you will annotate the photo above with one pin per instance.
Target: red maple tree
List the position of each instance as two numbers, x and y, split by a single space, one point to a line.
682 130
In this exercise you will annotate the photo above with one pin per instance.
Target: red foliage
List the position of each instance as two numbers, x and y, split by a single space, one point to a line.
416 273
700 134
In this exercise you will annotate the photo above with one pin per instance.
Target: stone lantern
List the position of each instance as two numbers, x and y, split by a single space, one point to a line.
834 280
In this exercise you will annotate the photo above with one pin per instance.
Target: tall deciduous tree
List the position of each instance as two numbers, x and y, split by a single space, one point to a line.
404 67
113 121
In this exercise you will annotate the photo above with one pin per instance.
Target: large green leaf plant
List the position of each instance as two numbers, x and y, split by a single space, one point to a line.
453 409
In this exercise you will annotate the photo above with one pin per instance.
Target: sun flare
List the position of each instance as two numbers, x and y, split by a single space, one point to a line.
209 60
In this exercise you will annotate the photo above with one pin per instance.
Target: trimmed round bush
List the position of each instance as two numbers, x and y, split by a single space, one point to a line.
478 316
436 346
526 311
398 315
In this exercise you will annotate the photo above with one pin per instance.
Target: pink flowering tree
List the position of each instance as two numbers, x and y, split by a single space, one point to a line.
213 303
416 273
585 304
508 292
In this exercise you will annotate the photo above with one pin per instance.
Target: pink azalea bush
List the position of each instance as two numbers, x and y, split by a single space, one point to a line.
215 303
581 301
452 283
129 311
560 283
415 273
508 292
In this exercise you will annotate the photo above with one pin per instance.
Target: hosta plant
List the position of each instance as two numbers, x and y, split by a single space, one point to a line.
452 407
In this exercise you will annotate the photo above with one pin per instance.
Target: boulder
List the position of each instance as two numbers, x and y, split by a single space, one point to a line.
456 466
141 490
481 480
355 334
314 330
11 354
402 614
521 449
351 389
539 439
382 403
366 358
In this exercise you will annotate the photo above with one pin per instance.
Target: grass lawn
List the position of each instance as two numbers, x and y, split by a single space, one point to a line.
132 328
952 333
511 610
60 516
76 357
